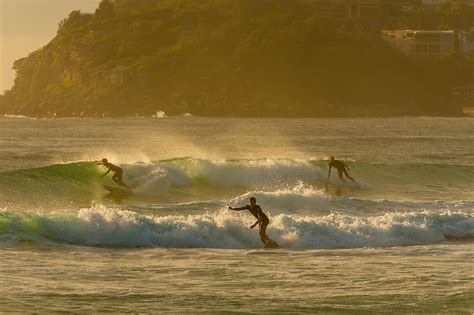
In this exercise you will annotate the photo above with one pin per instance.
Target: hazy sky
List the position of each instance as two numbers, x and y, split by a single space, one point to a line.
26 25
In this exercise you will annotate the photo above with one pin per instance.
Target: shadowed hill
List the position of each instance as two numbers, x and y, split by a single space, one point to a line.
225 58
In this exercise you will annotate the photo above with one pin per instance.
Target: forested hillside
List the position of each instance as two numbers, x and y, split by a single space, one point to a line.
226 58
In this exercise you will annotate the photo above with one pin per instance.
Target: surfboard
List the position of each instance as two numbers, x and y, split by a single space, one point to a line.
117 189
271 244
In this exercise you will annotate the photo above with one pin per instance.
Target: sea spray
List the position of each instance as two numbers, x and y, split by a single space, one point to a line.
299 197
278 183
105 226
243 173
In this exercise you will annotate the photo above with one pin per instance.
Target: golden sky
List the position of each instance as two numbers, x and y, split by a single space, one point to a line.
26 25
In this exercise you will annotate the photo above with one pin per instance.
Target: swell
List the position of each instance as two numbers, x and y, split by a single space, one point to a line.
75 182
221 179
102 226
409 172
307 199
189 171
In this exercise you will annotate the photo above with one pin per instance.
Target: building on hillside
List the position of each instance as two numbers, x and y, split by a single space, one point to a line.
370 8
423 43
467 42
360 8
427 4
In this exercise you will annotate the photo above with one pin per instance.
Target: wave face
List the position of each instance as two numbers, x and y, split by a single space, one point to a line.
181 203
294 182
102 226
51 186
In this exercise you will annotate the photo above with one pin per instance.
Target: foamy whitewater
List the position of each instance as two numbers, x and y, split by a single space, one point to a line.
401 239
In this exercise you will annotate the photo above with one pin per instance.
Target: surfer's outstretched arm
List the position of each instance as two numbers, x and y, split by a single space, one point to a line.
108 171
238 209
255 224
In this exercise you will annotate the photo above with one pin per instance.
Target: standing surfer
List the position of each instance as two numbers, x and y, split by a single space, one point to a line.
341 167
262 219
118 172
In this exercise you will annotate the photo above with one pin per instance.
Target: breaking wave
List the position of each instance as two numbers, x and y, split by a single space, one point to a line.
103 226
268 174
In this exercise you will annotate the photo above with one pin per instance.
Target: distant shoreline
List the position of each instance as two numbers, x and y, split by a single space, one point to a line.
469 114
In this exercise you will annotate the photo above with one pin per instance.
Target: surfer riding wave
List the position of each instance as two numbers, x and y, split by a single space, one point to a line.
342 169
262 221
118 172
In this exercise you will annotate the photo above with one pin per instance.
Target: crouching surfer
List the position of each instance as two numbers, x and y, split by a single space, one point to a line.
262 221
118 172
342 169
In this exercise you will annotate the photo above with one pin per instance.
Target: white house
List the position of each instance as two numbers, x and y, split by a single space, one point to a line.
422 43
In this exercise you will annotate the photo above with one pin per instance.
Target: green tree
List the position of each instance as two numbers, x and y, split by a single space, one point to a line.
105 10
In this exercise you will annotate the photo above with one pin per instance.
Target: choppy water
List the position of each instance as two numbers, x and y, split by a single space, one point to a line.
400 239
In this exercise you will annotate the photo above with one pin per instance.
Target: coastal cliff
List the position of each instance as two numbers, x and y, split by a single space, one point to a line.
269 58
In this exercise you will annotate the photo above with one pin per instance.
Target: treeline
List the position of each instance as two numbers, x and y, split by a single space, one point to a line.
227 58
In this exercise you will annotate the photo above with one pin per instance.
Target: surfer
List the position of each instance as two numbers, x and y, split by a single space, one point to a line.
118 172
262 219
341 167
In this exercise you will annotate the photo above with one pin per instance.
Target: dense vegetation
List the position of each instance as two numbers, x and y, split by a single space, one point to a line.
229 58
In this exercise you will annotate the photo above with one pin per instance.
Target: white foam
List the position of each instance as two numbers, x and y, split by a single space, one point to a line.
160 114
302 198
297 198
252 173
18 116
389 229
99 225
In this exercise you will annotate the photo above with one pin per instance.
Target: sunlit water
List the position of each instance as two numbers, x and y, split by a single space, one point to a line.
401 239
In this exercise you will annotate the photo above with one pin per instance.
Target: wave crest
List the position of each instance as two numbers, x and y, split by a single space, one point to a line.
191 179
102 226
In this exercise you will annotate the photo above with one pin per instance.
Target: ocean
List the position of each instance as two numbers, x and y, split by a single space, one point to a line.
401 239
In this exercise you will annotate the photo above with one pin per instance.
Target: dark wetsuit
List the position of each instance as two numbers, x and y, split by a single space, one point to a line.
118 172
257 212
341 169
